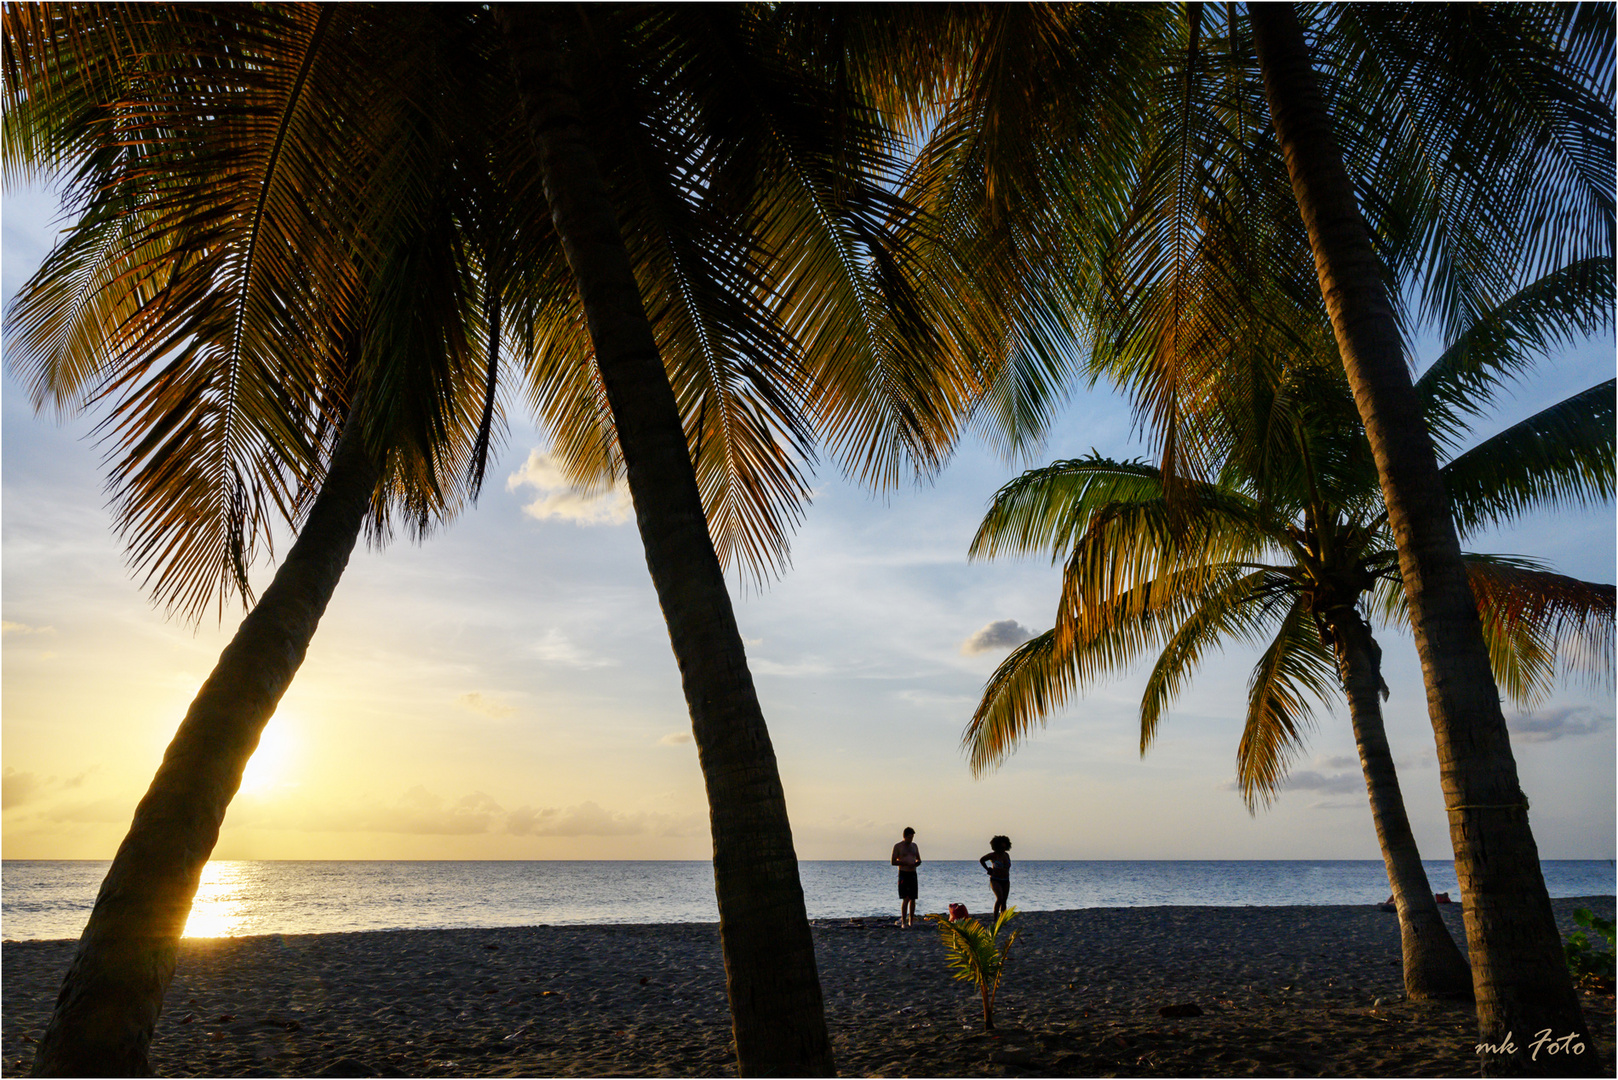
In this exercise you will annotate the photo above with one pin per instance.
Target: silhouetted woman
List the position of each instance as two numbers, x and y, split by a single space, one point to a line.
998 863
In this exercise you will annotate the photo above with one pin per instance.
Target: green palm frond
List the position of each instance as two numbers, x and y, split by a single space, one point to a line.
1296 667
1132 559
800 302
1181 612
1243 604
1559 457
1015 206
1211 268
1054 508
274 206
975 954
1102 634
1462 126
1031 683
1046 508
196 297
1564 305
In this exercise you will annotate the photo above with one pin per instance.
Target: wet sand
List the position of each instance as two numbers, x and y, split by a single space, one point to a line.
1281 991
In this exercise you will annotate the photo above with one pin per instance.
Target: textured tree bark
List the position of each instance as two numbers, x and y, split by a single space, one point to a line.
113 993
1433 966
1519 977
777 1013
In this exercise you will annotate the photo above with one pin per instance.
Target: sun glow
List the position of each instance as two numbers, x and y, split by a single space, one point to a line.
268 766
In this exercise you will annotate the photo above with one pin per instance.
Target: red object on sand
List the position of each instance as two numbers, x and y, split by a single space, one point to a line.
957 911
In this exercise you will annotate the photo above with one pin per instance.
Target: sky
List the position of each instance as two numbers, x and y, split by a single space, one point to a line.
506 689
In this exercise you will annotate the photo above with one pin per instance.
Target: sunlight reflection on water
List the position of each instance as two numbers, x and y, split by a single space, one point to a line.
221 908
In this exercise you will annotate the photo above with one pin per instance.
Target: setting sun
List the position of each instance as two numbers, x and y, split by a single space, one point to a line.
268 768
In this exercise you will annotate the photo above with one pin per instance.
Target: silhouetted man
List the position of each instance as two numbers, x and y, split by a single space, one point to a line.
906 856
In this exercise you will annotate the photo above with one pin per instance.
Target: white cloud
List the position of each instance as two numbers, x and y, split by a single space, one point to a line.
762 666
1000 634
676 738
555 648
475 701
560 499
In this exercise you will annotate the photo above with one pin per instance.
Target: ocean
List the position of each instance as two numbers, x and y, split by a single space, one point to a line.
46 900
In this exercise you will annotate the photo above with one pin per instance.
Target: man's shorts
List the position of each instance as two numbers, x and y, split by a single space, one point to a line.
907 884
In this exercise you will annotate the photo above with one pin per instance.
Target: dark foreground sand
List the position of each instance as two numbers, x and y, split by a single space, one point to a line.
1294 991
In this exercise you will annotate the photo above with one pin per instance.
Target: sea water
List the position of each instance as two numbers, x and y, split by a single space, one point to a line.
44 900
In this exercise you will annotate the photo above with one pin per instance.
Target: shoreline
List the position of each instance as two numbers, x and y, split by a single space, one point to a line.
1282 990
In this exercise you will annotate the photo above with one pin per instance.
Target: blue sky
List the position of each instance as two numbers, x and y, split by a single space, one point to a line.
506 690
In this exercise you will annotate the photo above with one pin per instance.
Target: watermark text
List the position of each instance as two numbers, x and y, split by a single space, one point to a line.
1566 1044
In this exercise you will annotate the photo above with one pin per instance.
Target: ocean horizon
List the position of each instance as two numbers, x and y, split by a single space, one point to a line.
51 899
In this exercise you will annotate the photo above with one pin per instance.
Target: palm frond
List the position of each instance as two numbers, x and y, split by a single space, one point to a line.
975 953
1294 668
1536 621
1045 508
1555 310
1241 604
1028 685
1559 457
1463 126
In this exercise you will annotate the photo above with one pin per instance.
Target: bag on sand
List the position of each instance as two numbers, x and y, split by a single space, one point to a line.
957 911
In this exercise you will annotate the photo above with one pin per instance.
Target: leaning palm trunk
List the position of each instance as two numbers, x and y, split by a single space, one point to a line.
113 993
1433 966
1520 979
777 1012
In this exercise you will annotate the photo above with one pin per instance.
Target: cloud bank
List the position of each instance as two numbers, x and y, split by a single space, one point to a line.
419 812
18 787
586 819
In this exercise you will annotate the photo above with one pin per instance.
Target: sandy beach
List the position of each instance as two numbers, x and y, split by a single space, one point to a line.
1282 991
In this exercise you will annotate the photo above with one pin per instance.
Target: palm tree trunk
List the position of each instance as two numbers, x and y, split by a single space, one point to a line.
1433 966
113 993
777 1013
1520 979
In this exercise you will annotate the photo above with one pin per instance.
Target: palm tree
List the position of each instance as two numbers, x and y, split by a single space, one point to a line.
1520 979
287 379
975 954
1287 545
748 279
1474 144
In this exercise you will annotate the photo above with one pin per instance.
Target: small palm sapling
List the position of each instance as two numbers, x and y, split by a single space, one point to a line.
976 955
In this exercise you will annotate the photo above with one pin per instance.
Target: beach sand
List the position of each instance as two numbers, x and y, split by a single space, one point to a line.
1283 991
